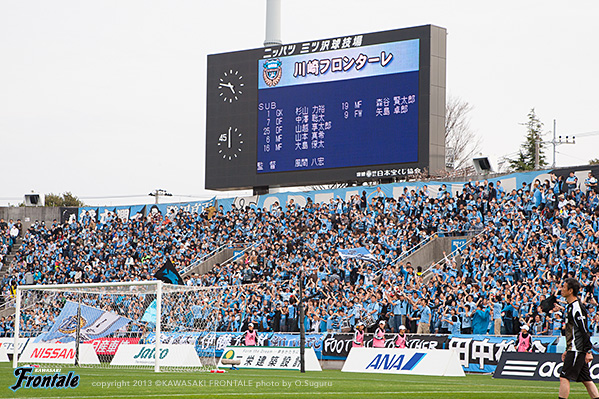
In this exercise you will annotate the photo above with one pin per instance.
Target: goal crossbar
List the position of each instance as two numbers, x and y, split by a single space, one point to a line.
59 287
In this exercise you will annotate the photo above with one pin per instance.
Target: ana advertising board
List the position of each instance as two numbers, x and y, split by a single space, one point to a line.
262 357
144 355
404 361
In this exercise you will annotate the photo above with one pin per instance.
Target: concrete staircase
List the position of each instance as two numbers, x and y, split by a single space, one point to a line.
7 308
222 256
431 253
9 258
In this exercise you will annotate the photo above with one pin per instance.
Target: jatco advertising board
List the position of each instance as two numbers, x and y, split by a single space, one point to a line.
353 108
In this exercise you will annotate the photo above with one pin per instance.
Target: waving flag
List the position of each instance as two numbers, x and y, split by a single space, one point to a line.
94 323
150 313
169 274
360 253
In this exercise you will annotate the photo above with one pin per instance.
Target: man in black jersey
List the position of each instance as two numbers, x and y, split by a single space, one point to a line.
578 354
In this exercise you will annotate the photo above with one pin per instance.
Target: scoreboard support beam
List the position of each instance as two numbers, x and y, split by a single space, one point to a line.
261 190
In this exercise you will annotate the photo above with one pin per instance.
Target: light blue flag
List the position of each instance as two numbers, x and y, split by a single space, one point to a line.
357 253
94 323
150 313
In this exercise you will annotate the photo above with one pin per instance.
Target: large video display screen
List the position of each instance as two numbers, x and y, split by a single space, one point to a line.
340 109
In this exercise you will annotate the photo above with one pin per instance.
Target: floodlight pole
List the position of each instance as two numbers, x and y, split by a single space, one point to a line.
273 23
555 142
157 330
78 332
302 326
15 348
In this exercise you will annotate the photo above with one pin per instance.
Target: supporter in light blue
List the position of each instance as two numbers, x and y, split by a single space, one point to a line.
480 317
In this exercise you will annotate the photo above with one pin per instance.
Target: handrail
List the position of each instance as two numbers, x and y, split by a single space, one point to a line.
415 248
203 258
460 232
239 254
446 257
7 304
214 252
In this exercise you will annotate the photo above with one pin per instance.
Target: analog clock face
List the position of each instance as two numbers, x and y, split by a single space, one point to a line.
230 86
230 144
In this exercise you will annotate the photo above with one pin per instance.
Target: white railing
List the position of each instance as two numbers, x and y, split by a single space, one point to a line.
6 305
415 248
246 249
428 271
203 258
216 251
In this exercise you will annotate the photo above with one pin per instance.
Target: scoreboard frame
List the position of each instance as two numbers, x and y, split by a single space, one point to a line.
232 113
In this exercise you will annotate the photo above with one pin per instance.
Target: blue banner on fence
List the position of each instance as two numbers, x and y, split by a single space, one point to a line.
205 341
191 207
481 353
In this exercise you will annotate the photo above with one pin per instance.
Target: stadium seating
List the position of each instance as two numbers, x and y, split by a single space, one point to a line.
523 242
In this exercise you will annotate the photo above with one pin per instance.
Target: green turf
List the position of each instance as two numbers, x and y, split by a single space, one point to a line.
292 384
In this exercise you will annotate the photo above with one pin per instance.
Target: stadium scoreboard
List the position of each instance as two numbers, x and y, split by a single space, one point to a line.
352 108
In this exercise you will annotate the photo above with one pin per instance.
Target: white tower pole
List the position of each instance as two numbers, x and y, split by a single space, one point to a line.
15 348
273 23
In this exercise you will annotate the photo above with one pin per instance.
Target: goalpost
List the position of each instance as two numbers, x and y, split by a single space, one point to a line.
154 316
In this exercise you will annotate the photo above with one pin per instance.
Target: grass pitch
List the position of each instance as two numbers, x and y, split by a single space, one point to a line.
127 383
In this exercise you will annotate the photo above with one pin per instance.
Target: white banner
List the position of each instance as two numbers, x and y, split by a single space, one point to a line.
144 355
404 361
8 343
3 355
265 357
58 353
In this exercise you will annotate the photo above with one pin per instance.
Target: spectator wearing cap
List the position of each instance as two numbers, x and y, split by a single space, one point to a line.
358 341
250 336
524 343
379 336
401 339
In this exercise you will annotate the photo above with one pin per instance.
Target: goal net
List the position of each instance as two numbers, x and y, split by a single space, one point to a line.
117 325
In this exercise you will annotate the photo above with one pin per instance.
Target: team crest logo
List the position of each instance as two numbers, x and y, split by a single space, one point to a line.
69 325
230 354
272 72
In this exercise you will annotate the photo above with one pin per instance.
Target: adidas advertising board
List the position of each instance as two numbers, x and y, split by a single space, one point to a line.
535 366
404 361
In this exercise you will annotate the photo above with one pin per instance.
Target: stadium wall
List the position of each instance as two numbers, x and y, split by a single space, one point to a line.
30 215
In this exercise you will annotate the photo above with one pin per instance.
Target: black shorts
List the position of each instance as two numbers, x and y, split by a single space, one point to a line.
575 368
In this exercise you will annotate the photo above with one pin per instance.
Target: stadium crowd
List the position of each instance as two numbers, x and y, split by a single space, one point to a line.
522 243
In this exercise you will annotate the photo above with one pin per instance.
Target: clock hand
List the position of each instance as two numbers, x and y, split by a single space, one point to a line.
232 87
229 85
229 137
